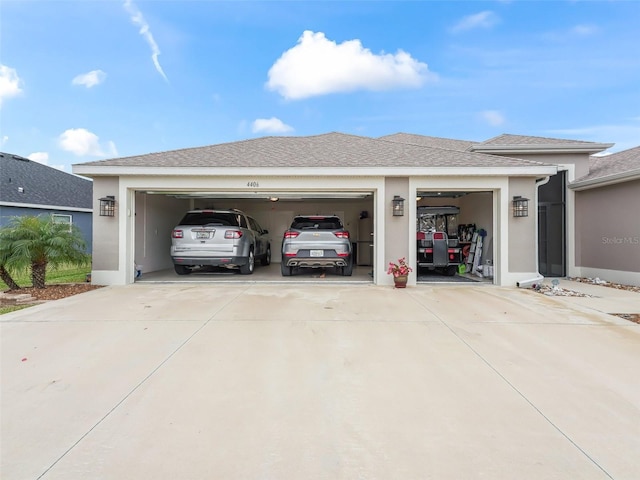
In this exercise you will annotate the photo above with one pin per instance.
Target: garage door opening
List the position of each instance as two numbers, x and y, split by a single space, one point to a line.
454 236
158 212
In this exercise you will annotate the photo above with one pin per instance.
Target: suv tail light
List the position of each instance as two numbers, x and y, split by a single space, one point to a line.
342 234
233 234
290 234
177 234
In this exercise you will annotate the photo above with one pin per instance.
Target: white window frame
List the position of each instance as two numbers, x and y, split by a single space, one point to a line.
63 219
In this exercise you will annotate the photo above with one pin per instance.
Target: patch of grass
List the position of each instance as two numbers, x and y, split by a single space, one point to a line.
63 274
12 308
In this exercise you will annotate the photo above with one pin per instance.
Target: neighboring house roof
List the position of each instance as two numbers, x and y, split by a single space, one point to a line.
24 182
507 143
426 141
331 150
609 169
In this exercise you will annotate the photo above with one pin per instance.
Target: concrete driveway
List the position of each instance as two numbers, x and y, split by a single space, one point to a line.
197 381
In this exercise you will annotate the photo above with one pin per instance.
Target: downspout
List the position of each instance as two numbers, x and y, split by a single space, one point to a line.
538 278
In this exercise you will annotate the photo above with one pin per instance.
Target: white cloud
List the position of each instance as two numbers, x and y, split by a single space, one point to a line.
43 158
40 157
486 19
4 140
317 66
138 19
82 142
270 125
10 83
493 117
90 79
584 30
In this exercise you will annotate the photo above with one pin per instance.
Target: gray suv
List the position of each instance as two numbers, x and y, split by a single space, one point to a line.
316 241
219 238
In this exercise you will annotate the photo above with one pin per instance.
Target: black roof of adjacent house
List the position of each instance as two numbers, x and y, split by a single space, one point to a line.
24 181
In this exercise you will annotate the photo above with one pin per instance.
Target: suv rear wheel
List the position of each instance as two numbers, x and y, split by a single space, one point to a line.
348 269
247 268
286 271
182 270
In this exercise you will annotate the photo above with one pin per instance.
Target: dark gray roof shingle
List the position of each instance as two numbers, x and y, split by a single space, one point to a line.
26 181
331 150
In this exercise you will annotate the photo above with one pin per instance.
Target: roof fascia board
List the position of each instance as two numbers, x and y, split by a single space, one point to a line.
541 148
526 170
46 207
605 181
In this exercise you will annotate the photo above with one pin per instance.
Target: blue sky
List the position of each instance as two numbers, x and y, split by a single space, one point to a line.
86 80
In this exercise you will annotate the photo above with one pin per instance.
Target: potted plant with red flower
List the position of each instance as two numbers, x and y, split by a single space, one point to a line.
400 272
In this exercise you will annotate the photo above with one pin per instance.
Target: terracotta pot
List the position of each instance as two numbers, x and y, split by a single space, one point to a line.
401 281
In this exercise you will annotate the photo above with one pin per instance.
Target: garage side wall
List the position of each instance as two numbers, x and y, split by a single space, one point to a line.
608 237
105 229
477 208
155 218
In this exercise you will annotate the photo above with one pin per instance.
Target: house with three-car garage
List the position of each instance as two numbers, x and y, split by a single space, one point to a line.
503 207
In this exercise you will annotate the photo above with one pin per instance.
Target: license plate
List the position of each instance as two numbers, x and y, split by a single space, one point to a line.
316 253
202 234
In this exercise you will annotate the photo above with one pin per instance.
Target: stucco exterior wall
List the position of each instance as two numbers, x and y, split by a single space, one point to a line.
580 161
397 229
608 226
105 229
522 231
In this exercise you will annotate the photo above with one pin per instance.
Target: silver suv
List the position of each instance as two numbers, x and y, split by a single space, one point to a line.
316 241
220 238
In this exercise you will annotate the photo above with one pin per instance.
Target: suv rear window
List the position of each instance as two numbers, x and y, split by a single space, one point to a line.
320 223
211 218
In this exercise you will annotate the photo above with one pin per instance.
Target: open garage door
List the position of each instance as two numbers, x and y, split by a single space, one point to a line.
454 236
157 212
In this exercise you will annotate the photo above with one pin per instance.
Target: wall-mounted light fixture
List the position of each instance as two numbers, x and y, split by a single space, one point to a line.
520 206
108 206
398 206
273 199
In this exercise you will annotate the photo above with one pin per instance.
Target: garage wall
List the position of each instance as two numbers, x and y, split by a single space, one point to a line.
155 217
477 208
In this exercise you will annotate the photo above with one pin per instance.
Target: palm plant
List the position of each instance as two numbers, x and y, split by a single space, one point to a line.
37 241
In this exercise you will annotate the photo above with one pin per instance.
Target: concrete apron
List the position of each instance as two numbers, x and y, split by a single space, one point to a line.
328 382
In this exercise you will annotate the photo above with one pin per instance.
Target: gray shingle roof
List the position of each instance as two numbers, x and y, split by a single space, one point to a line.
41 185
426 141
331 150
508 139
626 161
